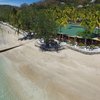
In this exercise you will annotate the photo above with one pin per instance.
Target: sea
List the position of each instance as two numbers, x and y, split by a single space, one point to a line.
6 91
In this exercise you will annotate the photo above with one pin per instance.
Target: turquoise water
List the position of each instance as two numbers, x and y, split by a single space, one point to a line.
6 92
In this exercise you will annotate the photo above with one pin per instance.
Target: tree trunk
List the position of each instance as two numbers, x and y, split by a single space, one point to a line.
85 43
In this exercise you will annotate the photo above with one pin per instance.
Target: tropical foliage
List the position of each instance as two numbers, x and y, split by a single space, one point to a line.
45 17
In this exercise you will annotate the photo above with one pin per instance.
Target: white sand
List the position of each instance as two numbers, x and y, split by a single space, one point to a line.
9 37
67 75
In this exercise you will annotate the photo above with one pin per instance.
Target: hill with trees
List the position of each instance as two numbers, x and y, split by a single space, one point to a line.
69 2
30 17
5 11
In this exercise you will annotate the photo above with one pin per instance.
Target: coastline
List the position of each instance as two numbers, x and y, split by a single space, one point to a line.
54 76
37 75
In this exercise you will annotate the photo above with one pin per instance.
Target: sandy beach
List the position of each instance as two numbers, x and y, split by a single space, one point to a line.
66 75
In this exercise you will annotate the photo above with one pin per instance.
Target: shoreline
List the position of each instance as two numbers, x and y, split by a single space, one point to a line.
37 75
54 76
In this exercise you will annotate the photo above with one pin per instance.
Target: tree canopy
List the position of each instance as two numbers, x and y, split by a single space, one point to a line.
45 17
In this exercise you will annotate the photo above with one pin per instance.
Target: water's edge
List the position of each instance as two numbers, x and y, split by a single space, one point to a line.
6 91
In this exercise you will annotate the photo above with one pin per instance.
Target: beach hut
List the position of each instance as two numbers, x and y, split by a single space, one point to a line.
96 35
70 31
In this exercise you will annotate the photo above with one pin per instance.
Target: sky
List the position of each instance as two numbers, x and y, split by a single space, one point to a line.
16 2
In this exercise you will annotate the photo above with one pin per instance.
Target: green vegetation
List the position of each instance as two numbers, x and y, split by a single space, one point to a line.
92 46
45 25
5 11
81 44
46 16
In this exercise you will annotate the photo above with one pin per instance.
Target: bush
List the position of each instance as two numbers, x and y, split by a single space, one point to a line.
92 46
98 45
81 44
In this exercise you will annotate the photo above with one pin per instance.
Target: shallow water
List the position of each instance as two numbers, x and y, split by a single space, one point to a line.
3 37
6 91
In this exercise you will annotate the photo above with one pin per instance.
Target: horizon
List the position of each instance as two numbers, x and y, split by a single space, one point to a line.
17 2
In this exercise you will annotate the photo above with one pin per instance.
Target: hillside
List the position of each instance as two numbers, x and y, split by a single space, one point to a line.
5 10
69 2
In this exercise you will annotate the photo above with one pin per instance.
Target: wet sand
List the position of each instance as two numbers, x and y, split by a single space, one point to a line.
66 75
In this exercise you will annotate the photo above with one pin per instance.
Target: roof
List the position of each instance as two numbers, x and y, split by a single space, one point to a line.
71 30
97 39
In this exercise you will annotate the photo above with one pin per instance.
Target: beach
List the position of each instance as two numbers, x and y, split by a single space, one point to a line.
36 75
